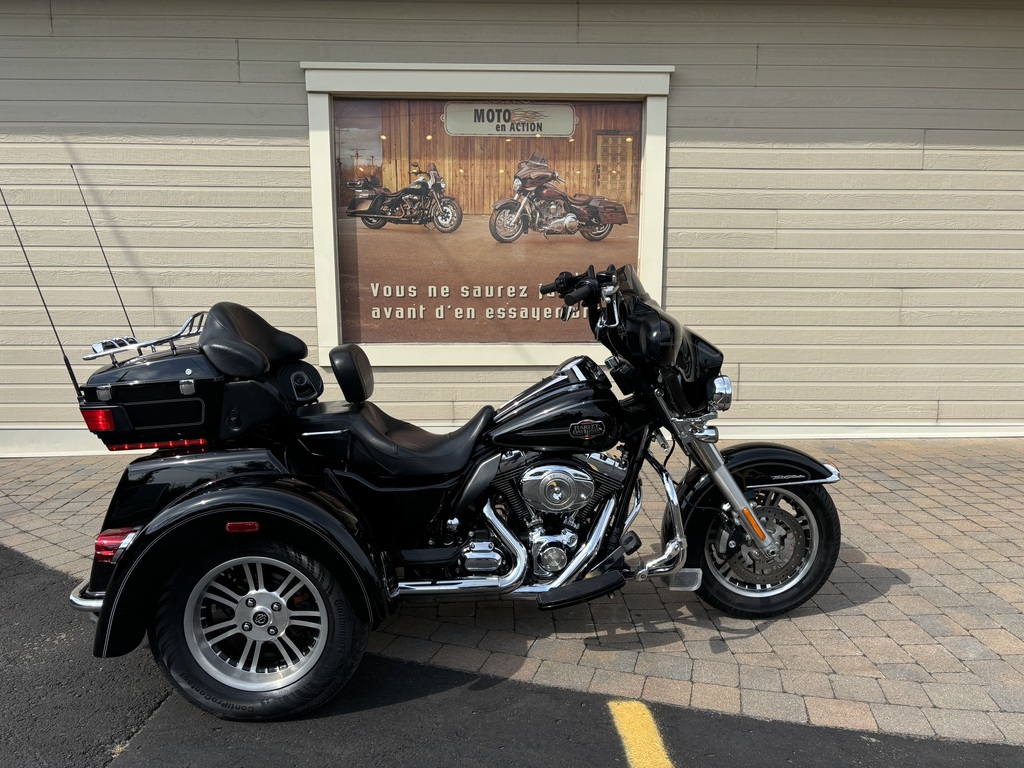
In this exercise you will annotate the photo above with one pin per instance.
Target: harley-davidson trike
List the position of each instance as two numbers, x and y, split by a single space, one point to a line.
422 202
540 204
269 531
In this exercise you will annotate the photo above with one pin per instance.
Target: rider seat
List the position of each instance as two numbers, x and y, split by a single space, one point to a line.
581 199
380 442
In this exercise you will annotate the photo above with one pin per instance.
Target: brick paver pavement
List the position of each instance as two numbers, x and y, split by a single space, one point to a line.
919 631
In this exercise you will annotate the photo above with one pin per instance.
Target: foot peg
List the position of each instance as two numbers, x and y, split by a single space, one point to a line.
684 580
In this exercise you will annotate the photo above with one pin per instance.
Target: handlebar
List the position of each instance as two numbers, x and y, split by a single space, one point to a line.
585 287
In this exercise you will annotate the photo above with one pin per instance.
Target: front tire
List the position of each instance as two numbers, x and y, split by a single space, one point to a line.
448 215
504 226
260 632
737 580
374 222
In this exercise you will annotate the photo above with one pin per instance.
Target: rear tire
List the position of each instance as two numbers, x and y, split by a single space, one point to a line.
596 234
258 632
373 222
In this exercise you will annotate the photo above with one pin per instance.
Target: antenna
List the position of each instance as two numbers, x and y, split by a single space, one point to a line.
100 243
67 363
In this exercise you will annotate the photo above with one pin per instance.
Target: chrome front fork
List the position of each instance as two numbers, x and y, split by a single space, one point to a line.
710 458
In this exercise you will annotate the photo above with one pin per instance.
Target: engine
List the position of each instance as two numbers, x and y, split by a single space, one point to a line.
553 504
553 219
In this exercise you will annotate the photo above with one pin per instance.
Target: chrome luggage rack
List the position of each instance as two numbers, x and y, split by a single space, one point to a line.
113 347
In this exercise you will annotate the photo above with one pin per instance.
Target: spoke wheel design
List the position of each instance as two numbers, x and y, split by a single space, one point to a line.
744 570
258 631
504 226
738 579
594 234
255 623
448 216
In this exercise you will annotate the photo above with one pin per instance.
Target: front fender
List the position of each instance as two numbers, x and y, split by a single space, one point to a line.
286 510
755 465
503 202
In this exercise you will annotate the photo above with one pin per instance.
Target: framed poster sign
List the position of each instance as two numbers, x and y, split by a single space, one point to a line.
438 216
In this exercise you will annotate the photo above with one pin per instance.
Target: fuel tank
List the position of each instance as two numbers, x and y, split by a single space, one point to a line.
573 409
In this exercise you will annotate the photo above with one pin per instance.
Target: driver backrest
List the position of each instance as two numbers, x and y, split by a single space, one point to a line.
352 368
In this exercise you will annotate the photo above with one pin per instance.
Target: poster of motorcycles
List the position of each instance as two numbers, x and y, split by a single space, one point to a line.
452 213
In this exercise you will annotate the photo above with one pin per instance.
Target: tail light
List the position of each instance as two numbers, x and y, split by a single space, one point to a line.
110 543
194 442
98 419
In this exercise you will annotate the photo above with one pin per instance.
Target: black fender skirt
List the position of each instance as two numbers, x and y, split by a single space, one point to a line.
283 509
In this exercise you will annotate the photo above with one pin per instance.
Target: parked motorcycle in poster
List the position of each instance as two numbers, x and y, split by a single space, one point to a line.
270 530
540 204
422 202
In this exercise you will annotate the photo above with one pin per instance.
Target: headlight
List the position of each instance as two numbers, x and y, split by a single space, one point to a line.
441 184
517 184
721 393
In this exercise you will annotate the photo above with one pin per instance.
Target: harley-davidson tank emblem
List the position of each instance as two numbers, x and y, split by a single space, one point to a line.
587 429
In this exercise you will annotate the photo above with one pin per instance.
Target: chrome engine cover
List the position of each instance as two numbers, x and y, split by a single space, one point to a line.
556 489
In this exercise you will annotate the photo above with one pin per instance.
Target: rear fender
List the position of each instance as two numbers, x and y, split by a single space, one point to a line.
286 510
754 465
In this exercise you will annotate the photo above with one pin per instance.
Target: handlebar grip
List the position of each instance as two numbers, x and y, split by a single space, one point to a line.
583 293
549 288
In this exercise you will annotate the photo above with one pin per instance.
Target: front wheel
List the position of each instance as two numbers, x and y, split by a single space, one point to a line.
504 226
257 633
374 222
739 580
595 234
447 215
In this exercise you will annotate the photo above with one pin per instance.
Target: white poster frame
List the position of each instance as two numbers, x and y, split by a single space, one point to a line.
327 80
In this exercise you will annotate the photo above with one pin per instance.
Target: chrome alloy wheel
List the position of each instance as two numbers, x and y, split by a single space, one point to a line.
746 571
255 623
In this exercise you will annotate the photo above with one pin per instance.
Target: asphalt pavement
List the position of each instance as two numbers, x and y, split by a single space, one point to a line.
61 707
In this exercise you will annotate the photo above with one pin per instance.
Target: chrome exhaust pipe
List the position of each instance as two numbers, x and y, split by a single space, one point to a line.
476 586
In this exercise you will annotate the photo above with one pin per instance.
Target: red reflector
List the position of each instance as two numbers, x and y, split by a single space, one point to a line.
251 527
98 419
110 541
159 445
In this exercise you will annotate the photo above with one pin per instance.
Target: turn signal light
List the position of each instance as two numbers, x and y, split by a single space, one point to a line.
98 419
111 541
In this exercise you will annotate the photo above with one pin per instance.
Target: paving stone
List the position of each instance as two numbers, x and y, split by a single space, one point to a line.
958 724
560 675
505 642
664 665
908 721
864 689
773 706
460 657
835 713
717 698
609 659
904 693
716 673
1011 725
667 691
620 684
959 697
510 667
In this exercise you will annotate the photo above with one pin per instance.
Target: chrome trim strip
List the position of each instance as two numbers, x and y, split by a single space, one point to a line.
832 478
476 585
88 604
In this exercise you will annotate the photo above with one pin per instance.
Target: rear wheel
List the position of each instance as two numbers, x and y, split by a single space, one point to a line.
257 633
374 222
595 234
739 580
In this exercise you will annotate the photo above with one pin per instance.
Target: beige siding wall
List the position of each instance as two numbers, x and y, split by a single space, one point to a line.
845 197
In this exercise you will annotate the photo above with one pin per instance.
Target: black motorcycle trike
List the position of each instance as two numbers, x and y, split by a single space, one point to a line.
269 530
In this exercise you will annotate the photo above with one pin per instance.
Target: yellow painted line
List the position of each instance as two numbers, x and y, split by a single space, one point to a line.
639 734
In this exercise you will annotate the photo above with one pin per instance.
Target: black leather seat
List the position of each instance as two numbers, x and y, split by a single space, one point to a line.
380 443
241 343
